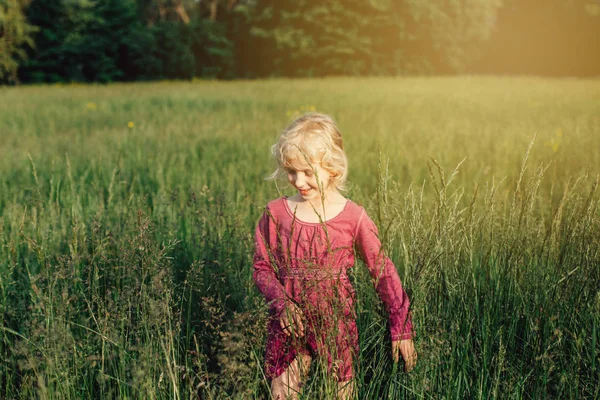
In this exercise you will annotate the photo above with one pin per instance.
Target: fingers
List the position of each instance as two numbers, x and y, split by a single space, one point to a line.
396 351
291 322
410 363
298 324
409 354
285 326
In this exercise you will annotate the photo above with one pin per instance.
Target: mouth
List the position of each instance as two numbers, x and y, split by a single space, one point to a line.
304 192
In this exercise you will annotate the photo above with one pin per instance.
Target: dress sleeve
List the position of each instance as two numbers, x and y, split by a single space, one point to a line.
385 277
265 277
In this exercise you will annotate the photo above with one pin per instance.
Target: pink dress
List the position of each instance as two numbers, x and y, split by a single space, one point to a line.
306 263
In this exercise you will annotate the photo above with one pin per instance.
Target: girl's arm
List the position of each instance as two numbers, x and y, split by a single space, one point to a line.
385 277
264 275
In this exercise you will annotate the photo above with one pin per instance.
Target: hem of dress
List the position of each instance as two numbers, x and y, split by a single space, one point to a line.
281 369
345 378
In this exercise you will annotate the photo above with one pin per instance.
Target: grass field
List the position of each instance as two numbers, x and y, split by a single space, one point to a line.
127 213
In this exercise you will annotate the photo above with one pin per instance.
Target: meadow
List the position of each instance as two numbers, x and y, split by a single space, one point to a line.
127 214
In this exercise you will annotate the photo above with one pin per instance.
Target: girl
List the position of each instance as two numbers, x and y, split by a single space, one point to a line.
304 245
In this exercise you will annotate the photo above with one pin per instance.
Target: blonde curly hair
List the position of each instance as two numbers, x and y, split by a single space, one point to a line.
313 137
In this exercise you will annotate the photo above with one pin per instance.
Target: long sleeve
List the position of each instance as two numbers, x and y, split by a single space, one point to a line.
385 277
264 275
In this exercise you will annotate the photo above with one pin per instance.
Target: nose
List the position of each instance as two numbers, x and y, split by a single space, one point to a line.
299 180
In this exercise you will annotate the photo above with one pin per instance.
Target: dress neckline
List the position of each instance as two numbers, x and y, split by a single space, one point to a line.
291 213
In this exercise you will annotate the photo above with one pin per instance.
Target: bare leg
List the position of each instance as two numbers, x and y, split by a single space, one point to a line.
287 385
346 390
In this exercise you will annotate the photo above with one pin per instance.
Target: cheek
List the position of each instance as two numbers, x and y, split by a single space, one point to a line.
323 179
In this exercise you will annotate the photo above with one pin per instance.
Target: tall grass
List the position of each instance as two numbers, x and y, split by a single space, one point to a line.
125 249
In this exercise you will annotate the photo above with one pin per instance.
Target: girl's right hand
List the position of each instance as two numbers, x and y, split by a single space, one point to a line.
291 321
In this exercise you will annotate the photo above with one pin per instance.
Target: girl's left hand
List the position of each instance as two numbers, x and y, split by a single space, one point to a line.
405 347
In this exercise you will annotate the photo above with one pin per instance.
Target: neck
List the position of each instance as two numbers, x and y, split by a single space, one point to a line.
323 200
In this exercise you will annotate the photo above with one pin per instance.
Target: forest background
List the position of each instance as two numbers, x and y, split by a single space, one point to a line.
126 40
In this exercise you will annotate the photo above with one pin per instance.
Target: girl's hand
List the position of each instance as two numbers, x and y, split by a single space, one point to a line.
409 354
291 321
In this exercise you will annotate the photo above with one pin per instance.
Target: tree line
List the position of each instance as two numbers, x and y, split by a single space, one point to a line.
124 40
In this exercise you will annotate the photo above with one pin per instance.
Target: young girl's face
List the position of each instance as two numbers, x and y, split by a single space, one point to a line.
309 178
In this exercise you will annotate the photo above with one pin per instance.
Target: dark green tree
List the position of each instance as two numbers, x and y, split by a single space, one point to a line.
103 41
15 36
79 40
313 38
174 50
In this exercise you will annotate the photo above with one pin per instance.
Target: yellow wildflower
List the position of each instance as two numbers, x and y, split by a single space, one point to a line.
130 124
559 133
